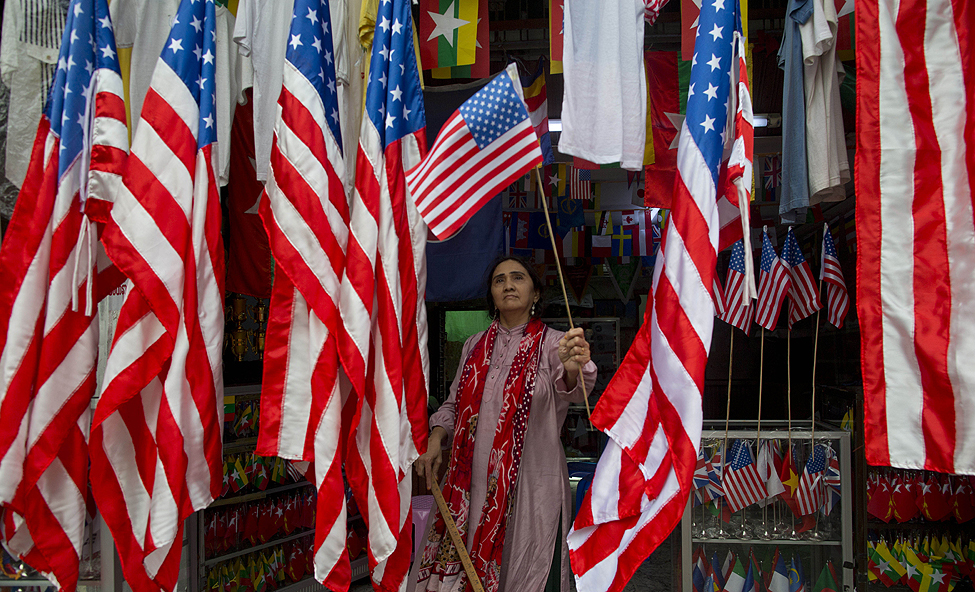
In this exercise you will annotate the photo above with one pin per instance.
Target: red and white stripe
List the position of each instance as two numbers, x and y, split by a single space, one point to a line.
772 289
743 486
579 188
306 217
830 272
156 441
916 174
720 305
53 273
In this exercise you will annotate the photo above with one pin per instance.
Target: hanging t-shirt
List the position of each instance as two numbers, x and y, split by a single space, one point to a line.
29 46
261 33
143 26
826 159
604 104
794 195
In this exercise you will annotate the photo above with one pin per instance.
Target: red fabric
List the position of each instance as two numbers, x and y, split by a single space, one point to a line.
689 13
878 498
963 502
249 255
903 496
932 500
509 436
662 86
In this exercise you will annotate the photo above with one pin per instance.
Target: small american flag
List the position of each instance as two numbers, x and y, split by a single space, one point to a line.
811 493
773 284
738 309
803 291
580 183
830 272
485 145
831 481
720 304
742 485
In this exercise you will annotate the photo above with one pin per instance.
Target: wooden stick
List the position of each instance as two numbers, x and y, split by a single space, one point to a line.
788 382
558 267
815 349
761 367
727 415
465 558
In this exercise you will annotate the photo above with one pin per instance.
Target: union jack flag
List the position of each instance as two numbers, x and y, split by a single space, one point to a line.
773 176
831 480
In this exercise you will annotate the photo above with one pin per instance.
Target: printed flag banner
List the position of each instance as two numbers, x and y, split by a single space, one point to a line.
536 98
448 32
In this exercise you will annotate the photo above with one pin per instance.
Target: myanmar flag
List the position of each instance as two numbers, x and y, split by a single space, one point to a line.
454 38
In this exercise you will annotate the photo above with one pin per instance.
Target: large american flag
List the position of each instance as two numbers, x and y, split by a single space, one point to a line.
742 484
305 213
384 341
803 291
811 493
52 275
485 145
651 409
916 231
830 272
156 440
738 307
773 285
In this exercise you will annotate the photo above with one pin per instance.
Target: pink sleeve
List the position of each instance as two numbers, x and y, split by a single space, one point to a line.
444 416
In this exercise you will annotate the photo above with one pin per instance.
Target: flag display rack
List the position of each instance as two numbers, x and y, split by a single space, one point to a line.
833 540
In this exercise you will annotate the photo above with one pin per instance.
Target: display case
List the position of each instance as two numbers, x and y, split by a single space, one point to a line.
818 546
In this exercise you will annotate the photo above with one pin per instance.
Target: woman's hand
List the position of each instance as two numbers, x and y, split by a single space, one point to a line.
428 464
574 354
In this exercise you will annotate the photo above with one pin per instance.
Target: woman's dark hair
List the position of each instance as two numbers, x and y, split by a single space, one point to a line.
532 273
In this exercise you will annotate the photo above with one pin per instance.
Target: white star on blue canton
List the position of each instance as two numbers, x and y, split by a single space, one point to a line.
176 45
105 22
107 52
384 24
197 24
406 113
295 42
397 27
708 123
390 118
208 57
317 44
716 32
77 9
718 5
384 52
714 62
396 93
312 16
328 57
198 52
711 92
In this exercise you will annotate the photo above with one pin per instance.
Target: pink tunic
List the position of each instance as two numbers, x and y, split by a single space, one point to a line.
542 492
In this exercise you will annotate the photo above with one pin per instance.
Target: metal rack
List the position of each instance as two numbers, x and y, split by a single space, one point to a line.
839 548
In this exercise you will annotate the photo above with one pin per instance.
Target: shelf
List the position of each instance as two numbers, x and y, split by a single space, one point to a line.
257 495
803 542
240 445
360 568
262 546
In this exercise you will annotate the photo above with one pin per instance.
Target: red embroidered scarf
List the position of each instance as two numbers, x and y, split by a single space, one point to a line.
440 561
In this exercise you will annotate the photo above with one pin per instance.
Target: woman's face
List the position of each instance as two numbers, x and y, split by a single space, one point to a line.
512 288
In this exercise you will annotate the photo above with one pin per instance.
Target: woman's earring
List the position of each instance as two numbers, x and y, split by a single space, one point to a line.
533 307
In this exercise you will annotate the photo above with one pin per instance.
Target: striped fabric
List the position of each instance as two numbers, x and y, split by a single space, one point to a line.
306 217
803 291
773 285
651 410
156 449
383 345
916 232
830 273
742 484
52 275
738 307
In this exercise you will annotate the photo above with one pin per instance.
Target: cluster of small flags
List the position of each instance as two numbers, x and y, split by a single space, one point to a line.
745 574
239 526
268 569
931 564
251 471
904 496
744 478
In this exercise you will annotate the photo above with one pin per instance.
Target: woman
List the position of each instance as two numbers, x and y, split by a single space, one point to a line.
506 485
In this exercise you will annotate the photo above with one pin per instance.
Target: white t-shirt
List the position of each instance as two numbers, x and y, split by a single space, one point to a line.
29 47
826 159
261 32
144 26
604 105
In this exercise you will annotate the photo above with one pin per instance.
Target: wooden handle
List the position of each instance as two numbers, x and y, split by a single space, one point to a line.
465 558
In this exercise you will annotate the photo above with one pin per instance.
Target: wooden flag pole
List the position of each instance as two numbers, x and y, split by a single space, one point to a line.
727 414
761 367
465 558
815 349
788 383
565 296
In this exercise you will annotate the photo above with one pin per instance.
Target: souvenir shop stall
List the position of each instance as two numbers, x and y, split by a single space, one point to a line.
246 245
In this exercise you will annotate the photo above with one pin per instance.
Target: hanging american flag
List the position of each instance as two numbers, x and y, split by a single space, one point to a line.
720 303
830 272
738 307
651 410
52 275
580 183
485 145
914 291
742 485
156 449
383 345
305 213
803 291
773 285
811 493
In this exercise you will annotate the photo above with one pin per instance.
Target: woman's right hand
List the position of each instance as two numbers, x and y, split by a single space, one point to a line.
428 464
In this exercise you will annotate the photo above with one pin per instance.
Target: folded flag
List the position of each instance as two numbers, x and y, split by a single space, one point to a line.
831 482
797 580
830 272
903 496
812 493
773 285
779 582
803 291
740 578
484 146
826 582
738 310
742 485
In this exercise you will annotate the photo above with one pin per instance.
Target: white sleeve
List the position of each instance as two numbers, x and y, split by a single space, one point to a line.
242 27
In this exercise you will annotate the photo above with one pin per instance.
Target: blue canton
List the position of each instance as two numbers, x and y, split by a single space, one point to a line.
828 247
740 455
768 253
791 253
738 257
710 82
88 44
816 462
493 111
394 98
310 51
191 52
